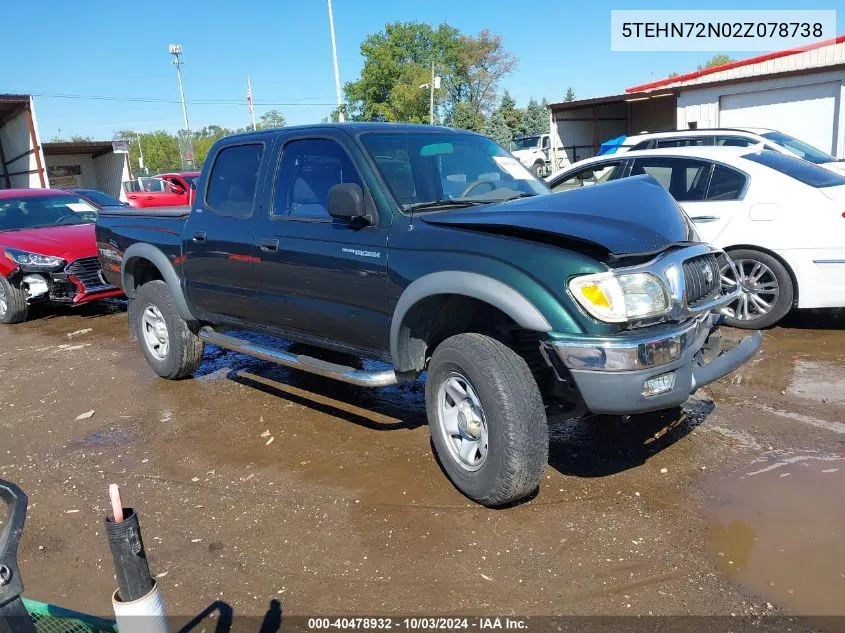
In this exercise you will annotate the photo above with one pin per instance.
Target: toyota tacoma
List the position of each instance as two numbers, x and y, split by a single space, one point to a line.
436 252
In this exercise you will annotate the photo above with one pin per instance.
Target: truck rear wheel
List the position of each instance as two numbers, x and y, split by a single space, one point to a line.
487 419
169 343
13 306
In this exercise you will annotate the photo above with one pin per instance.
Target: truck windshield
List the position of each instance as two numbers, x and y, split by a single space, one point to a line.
456 169
35 212
526 142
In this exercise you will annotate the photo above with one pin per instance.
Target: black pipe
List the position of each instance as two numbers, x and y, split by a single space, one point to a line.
134 580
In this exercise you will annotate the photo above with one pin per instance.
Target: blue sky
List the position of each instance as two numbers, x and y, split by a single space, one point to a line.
117 49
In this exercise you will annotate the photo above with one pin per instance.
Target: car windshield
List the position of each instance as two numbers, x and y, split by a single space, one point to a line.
526 142
100 198
800 148
34 212
800 170
444 169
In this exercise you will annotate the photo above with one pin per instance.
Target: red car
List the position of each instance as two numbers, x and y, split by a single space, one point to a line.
48 252
164 190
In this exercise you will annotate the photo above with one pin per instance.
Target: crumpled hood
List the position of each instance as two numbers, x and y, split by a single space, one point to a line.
68 242
626 216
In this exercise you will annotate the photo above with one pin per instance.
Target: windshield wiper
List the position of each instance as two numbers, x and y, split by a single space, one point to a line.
446 203
517 196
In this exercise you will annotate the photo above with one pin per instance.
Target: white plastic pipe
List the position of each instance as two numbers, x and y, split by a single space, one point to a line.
144 615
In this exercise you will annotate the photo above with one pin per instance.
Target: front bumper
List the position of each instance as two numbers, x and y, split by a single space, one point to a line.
611 374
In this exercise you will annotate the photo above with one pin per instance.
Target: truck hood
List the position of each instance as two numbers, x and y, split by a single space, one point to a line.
68 242
625 217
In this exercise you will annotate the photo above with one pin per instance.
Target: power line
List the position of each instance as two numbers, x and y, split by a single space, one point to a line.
238 102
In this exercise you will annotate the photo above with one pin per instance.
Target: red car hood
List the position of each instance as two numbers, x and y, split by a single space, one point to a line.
68 242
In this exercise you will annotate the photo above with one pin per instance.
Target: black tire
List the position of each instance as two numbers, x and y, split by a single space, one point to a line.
780 305
516 424
16 308
537 168
185 348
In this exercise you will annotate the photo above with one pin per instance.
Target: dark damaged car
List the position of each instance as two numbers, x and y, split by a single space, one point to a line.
435 252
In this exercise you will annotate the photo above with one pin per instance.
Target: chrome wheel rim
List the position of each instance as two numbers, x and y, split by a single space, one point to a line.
154 330
759 289
3 304
461 421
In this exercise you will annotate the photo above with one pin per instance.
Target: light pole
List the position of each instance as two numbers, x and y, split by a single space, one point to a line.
176 51
340 115
141 167
432 85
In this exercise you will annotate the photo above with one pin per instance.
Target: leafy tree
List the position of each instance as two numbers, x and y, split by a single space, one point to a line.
465 116
717 60
161 150
481 63
536 118
511 114
397 61
203 139
270 119
497 128
570 94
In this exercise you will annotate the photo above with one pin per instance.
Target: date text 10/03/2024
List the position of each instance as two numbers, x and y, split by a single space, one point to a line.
418 623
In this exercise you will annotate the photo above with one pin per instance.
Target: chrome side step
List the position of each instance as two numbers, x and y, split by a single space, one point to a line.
312 365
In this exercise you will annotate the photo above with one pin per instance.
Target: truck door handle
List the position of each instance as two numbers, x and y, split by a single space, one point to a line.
199 236
269 246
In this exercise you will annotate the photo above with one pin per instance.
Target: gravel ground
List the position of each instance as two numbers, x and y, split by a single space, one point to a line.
255 483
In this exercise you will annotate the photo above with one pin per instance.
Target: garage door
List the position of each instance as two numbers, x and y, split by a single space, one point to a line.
805 112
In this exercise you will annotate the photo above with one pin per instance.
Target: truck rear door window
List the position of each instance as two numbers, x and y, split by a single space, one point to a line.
309 168
233 180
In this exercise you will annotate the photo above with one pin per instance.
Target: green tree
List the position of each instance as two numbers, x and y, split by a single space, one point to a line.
717 60
161 151
464 116
570 94
481 62
270 119
511 114
397 61
496 127
536 118
204 138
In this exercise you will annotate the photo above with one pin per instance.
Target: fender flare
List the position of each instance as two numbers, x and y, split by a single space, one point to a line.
477 286
168 273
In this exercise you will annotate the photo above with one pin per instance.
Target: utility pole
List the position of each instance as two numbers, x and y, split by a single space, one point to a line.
176 51
141 167
340 115
431 85
249 102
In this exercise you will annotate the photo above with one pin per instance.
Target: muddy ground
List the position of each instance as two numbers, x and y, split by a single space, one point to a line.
256 483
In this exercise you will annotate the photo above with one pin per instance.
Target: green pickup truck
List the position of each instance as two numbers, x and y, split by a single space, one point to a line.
437 253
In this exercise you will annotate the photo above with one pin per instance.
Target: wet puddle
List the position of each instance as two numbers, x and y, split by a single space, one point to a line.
778 530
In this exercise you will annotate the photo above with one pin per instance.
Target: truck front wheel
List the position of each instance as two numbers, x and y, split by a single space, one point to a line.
170 345
538 168
487 420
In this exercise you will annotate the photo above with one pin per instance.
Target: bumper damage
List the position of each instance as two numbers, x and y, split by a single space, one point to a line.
622 376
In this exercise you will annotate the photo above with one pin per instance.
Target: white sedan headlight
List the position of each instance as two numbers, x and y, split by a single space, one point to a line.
619 298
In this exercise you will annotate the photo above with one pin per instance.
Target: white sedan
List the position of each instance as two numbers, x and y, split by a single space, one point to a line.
781 219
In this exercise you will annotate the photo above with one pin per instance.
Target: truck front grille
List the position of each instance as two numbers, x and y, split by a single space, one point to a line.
702 279
87 270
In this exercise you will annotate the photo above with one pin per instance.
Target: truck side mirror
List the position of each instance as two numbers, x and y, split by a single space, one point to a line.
346 202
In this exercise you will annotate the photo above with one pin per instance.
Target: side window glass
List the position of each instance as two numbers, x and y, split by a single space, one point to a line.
642 145
593 175
680 142
308 169
685 179
733 141
725 184
233 180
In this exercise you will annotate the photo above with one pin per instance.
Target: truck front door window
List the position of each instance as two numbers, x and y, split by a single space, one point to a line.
233 180
308 169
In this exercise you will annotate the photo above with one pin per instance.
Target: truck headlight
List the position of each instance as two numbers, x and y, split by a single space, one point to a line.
33 261
618 298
